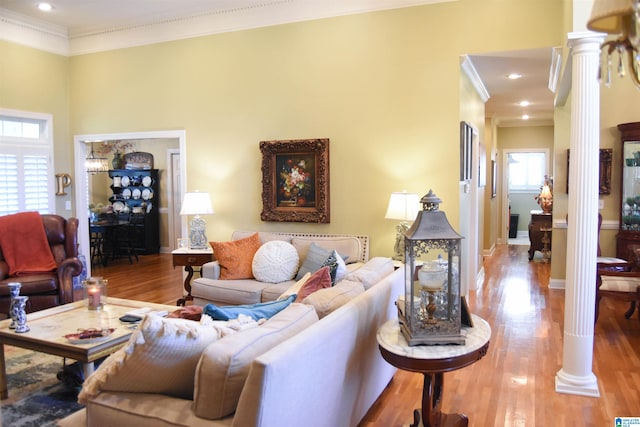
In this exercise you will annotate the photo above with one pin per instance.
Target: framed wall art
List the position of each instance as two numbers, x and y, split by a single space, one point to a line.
604 173
466 150
295 180
494 179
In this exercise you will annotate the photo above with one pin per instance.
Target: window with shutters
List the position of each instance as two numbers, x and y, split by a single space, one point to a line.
26 162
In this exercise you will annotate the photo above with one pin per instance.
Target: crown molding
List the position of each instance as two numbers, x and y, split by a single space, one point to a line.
472 73
41 35
29 32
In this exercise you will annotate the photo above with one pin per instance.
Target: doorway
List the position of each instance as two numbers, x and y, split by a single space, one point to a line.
82 147
524 173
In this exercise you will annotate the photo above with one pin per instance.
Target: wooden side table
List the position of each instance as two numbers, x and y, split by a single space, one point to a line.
539 222
190 258
433 361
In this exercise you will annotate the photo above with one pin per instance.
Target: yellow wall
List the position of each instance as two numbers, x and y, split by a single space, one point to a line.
36 81
384 87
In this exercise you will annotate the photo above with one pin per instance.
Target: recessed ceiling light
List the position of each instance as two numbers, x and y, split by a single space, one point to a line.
514 76
45 7
524 103
525 117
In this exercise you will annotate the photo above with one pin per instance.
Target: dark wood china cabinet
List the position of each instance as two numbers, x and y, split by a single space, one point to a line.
629 233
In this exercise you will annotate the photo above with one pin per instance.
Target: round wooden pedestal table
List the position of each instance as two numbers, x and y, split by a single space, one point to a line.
433 361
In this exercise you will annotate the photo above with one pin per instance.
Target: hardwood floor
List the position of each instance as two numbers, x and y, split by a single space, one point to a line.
513 385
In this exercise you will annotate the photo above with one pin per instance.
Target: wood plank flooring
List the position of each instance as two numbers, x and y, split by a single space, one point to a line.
513 385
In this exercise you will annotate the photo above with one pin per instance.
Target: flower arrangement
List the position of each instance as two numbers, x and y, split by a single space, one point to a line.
117 146
295 181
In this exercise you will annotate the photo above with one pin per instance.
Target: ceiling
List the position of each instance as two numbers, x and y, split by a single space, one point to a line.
86 24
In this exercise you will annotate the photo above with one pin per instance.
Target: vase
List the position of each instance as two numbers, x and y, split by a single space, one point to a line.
14 291
546 204
21 314
117 161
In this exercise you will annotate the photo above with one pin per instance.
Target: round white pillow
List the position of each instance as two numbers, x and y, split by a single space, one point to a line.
276 261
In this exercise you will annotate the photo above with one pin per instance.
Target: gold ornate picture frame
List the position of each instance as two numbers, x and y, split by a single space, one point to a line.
295 180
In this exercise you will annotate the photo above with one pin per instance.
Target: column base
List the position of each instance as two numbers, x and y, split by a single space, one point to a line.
582 386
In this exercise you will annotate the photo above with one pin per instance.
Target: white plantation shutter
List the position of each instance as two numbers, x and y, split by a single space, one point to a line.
36 183
9 188
26 174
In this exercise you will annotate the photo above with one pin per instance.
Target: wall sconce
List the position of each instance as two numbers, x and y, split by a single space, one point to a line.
618 17
404 207
197 204
63 180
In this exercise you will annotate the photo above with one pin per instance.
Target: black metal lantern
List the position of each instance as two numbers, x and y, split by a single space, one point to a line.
430 311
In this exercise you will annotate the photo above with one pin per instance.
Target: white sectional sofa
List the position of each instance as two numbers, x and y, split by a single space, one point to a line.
325 372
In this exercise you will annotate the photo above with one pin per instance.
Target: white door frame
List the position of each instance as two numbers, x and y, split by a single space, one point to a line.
174 194
81 150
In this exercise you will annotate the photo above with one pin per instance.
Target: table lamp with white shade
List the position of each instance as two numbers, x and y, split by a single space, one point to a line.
404 207
197 203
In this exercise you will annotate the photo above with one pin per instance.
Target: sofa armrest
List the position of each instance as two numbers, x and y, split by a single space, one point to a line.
211 270
67 269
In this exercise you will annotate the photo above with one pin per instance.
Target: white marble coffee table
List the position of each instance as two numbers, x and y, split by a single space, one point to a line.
48 328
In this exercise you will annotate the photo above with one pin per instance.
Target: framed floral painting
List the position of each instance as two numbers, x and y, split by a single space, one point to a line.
295 180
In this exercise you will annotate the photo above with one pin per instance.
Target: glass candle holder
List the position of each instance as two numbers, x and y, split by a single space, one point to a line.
95 291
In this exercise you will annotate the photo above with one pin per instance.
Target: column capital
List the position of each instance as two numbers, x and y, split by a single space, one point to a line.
585 39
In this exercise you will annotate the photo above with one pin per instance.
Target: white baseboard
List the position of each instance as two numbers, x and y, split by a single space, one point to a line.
556 283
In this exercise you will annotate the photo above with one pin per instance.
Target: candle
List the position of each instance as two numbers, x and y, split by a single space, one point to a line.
95 295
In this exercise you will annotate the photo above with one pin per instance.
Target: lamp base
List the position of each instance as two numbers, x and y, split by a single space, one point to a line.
399 245
197 235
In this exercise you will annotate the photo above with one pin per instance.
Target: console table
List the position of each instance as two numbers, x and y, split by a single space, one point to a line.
190 258
433 361
540 228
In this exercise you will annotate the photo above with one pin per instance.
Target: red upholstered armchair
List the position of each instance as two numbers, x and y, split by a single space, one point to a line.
47 290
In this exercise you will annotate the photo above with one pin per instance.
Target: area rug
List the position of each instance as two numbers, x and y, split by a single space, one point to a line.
37 397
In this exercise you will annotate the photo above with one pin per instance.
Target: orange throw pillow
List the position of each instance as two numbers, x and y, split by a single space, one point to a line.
235 257
319 280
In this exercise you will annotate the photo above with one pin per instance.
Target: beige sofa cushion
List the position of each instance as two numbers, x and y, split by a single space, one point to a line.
227 292
326 301
160 357
372 272
223 368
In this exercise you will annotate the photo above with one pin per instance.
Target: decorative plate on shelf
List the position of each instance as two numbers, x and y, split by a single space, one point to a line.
146 194
136 193
88 336
125 181
146 181
126 193
118 206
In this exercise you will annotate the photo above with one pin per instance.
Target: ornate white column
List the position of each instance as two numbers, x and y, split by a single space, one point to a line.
576 375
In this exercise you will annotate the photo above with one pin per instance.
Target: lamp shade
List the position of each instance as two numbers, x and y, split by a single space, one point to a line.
610 16
403 206
196 203
546 191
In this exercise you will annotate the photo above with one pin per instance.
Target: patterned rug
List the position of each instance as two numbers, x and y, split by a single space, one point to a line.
37 398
